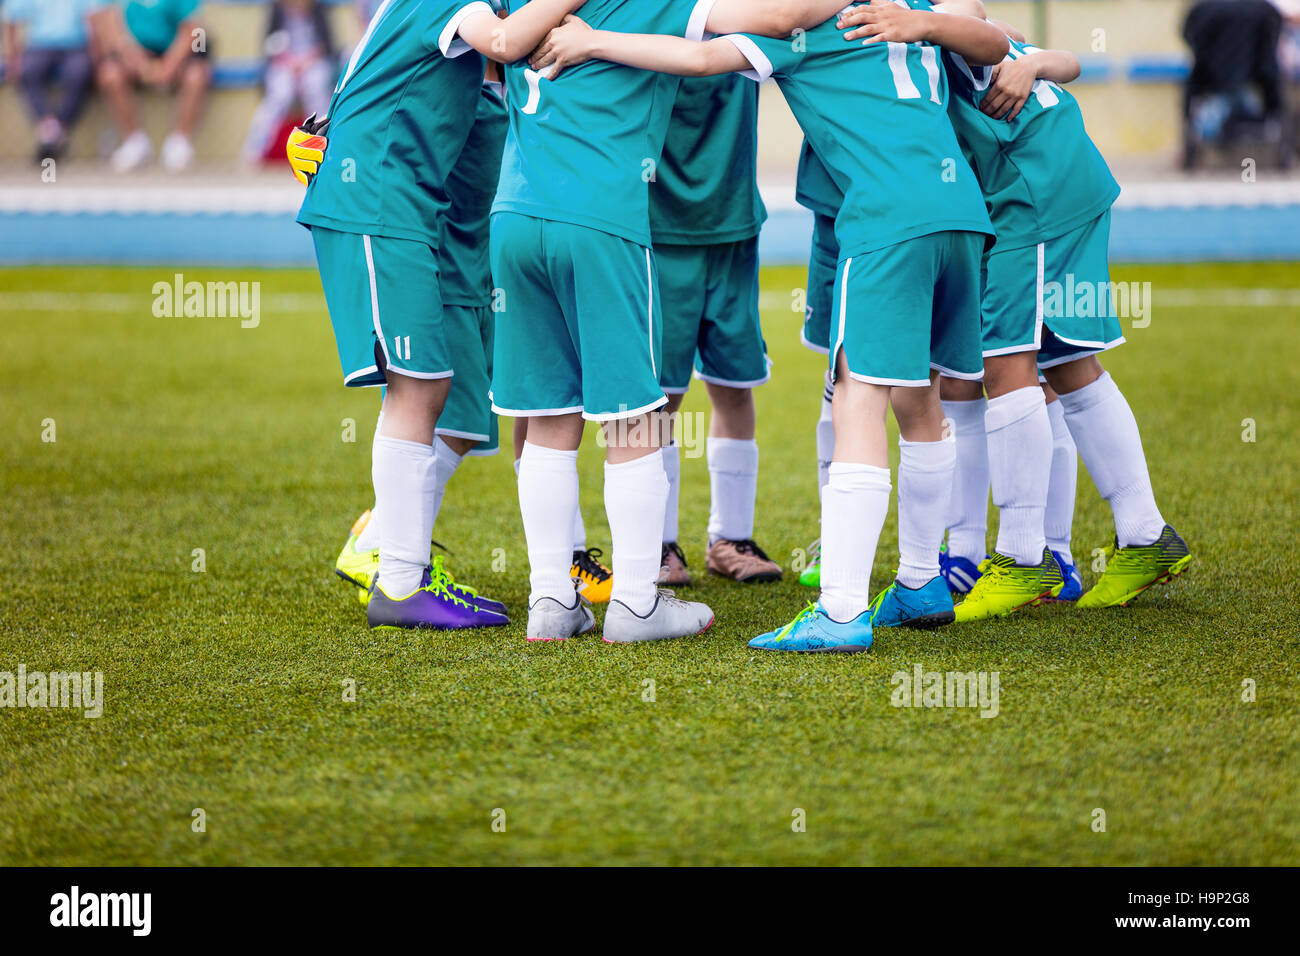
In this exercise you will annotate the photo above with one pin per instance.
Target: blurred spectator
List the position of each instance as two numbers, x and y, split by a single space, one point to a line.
157 43
300 67
47 44
1235 79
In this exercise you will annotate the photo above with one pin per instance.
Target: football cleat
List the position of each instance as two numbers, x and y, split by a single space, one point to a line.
1130 571
930 605
429 606
593 580
1004 587
742 561
669 618
814 632
357 567
549 620
673 570
811 576
1073 583
440 573
960 573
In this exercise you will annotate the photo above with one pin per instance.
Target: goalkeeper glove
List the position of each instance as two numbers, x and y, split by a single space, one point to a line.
306 148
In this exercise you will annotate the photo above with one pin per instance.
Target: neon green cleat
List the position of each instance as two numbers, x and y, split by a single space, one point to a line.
358 567
811 577
1004 587
1130 571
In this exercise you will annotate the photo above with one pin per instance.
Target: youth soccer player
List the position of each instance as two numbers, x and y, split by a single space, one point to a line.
400 117
467 426
1050 193
705 216
907 284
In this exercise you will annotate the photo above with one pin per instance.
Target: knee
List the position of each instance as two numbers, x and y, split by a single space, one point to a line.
731 401
196 75
110 75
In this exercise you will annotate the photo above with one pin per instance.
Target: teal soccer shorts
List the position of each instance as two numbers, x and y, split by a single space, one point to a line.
910 308
1053 298
579 327
711 321
385 305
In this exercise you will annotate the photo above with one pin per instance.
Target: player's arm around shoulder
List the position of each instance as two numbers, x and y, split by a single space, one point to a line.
768 18
574 42
948 25
1012 81
514 37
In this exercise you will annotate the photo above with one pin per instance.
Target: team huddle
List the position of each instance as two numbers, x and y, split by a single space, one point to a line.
548 209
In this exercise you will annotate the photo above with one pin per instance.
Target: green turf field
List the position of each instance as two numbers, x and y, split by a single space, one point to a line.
223 689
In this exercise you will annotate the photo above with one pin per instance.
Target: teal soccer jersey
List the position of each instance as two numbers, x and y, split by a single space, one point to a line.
399 118
582 149
463 260
1041 174
877 118
705 190
813 187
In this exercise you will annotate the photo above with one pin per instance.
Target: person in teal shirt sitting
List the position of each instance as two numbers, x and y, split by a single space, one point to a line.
157 43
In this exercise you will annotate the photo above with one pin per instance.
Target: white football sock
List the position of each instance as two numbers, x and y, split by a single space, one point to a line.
445 463
968 516
636 493
825 436
733 486
1020 465
854 506
925 474
548 497
402 472
673 470
1110 445
1059 522
368 539
516 469
579 529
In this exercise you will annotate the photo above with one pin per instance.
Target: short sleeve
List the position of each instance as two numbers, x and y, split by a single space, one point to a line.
766 55
445 28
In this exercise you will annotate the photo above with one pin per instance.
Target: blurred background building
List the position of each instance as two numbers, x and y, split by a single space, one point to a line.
1166 85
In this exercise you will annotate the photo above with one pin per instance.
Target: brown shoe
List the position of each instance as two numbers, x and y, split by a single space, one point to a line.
742 561
673 572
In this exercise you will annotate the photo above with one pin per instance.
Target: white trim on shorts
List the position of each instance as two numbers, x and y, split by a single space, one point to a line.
727 383
347 379
534 412
1039 286
468 436
1090 350
650 314
630 413
963 376
820 349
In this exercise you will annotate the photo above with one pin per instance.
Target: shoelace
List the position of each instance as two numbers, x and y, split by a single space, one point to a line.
438 586
588 565
810 608
673 548
747 546
440 573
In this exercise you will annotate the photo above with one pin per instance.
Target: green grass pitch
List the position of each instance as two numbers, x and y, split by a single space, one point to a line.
224 688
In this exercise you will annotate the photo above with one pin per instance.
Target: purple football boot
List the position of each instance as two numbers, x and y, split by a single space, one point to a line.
431 605
464 591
